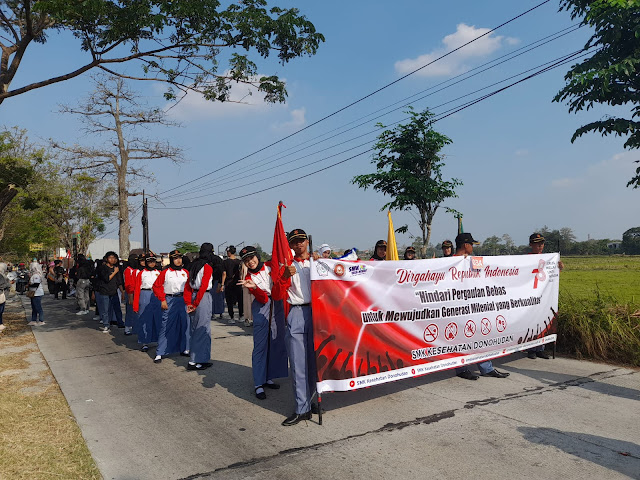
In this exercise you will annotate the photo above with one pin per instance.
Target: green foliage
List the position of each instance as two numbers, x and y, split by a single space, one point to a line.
631 241
409 169
598 298
610 75
18 161
186 247
177 42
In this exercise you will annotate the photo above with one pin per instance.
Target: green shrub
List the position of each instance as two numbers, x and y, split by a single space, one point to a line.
598 327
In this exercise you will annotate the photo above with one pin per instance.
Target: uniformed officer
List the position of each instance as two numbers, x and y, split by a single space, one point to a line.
464 247
295 287
380 250
447 248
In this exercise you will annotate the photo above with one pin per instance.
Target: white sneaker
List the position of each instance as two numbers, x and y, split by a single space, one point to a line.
81 312
32 323
105 329
232 321
97 317
240 320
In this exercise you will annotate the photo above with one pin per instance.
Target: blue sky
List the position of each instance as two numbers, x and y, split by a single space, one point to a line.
512 151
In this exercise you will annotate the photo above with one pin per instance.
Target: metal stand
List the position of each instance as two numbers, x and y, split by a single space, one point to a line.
319 409
554 350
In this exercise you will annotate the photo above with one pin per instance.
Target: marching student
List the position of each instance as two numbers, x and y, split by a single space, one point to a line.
464 247
146 305
197 297
169 289
380 250
130 274
269 357
295 287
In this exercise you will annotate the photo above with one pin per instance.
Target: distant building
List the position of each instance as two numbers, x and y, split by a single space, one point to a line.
616 246
99 247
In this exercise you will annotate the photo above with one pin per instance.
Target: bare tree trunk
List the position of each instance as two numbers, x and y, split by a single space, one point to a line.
123 194
425 234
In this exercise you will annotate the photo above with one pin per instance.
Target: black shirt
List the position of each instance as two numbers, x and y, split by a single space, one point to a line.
104 285
232 268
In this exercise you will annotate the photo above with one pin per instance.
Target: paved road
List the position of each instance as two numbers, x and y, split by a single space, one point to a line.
563 418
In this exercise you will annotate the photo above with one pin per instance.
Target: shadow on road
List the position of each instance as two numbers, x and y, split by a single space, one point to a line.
617 455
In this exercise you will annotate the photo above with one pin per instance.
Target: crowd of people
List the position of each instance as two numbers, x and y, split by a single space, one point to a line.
172 308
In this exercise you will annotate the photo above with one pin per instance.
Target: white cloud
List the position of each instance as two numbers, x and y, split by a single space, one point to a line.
297 120
245 100
459 61
611 172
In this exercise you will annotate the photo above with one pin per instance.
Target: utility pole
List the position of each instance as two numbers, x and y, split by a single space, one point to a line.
145 225
459 217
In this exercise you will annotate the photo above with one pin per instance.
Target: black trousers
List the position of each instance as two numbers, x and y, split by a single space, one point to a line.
60 287
233 294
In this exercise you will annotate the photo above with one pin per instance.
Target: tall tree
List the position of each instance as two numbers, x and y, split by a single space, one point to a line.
181 42
187 247
612 74
114 113
409 170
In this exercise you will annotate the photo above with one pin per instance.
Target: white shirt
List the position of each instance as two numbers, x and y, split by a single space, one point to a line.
196 282
262 279
37 278
147 277
174 281
300 289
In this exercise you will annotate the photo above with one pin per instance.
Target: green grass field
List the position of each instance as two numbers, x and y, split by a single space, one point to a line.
615 276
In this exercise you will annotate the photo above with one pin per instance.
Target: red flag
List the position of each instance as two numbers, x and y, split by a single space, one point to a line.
281 257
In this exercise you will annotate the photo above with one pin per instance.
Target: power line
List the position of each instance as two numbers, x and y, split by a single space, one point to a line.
296 160
564 60
467 75
362 98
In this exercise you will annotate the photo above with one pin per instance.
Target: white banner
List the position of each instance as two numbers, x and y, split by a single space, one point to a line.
381 321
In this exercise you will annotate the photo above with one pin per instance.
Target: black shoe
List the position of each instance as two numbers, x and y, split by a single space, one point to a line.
272 386
297 418
182 354
145 348
128 333
261 395
315 410
203 366
467 375
531 355
496 374
121 326
542 354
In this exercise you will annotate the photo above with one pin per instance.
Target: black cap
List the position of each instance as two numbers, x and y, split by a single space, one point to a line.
297 234
410 249
248 252
381 243
536 238
447 244
150 256
463 238
175 254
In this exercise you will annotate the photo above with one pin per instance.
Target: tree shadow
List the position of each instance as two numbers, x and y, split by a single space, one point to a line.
618 455
563 380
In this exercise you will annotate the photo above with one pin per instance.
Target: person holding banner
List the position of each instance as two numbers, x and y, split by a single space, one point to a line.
269 357
380 250
447 248
464 247
294 286
536 243
410 253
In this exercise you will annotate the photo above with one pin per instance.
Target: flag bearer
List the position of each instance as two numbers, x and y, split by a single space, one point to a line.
295 287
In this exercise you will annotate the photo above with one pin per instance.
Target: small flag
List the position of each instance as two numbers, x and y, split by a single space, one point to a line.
392 248
280 253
